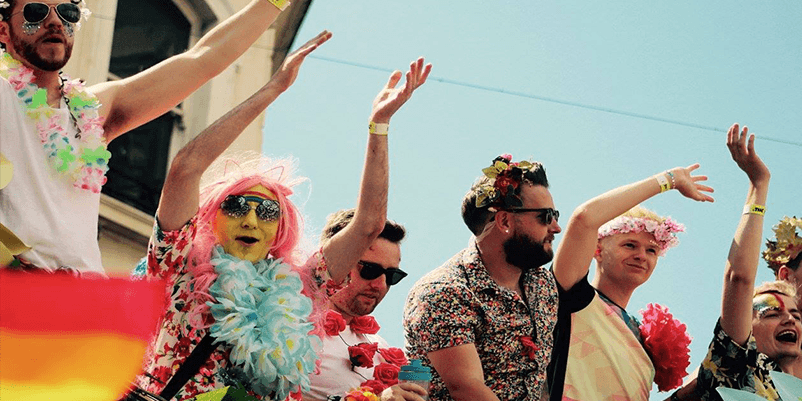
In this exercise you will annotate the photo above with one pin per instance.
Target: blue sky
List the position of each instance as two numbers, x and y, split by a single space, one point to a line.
532 78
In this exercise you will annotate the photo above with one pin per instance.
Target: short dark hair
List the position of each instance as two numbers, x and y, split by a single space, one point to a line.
477 217
338 220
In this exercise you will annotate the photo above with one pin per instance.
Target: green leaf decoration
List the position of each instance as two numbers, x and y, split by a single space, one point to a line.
39 99
90 156
214 395
79 103
66 157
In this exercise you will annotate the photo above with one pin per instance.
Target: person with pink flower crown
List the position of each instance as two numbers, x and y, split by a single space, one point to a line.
602 352
54 130
356 265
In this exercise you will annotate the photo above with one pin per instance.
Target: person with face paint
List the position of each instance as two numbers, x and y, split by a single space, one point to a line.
483 320
759 329
607 357
54 131
227 250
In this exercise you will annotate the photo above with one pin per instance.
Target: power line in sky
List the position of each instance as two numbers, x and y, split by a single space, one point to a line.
554 100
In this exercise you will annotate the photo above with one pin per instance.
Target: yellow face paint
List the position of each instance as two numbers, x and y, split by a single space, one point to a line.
247 237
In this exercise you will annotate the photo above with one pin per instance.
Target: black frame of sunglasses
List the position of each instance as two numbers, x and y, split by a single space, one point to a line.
59 11
270 208
546 215
392 275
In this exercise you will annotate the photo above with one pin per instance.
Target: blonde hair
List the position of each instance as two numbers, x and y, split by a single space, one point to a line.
777 287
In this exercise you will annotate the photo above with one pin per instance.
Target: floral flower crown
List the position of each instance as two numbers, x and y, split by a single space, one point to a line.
664 231
84 10
504 186
787 243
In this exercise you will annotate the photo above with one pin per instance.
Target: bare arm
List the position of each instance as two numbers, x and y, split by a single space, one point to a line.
577 247
343 251
461 371
742 262
179 199
133 101
404 392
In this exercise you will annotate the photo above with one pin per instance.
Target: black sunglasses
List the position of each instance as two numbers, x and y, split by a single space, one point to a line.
37 12
372 271
238 206
546 215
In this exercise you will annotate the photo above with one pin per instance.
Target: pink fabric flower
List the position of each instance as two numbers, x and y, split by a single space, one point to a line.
529 347
666 340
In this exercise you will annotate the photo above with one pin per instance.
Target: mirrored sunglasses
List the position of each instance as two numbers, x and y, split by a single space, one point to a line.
372 271
545 215
238 206
38 12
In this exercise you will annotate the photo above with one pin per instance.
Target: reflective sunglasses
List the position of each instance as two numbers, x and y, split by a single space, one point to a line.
37 12
546 215
238 206
372 271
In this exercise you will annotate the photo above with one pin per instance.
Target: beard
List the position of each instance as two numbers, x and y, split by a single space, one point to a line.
28 52
525 253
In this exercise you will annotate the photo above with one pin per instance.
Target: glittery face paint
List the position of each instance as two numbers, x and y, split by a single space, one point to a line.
30 28
767 302
69 29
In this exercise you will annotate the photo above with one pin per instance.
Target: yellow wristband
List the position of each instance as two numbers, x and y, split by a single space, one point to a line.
663 181
755 209
378 129
280 4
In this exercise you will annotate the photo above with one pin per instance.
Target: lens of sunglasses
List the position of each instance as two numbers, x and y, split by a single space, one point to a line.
548 215
372 271
37 12
237 206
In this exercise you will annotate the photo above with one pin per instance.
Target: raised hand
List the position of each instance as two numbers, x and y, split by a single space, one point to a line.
744 154
285 76
688 185
390 99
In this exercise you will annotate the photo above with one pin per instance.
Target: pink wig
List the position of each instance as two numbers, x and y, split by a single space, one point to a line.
230 177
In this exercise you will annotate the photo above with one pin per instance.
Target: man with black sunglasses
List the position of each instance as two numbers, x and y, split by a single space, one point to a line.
55 131
362 245
483 320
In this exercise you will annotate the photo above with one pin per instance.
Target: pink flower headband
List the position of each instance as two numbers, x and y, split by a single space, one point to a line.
664 232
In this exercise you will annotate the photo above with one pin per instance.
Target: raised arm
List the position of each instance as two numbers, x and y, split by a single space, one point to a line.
742 262
578 245
179 199
133 101
343 251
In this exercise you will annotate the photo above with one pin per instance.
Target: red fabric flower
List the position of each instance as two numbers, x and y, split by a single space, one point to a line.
362 354
386 373
296 395
364 325
666 340
529 347
503 182
394 355
376 386
334 323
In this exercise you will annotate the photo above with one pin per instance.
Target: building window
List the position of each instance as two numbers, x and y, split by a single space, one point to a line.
145 33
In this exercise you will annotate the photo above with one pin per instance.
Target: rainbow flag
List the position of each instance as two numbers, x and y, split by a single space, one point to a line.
67 338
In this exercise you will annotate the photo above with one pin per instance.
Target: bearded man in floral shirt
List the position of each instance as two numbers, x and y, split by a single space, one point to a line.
360 250
484 319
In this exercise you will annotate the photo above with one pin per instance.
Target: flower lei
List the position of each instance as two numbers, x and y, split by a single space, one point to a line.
787 242
385 374
664 231
666 340
261 313
504 182
84 163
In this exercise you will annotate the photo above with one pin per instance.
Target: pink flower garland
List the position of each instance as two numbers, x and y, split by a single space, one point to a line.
666 340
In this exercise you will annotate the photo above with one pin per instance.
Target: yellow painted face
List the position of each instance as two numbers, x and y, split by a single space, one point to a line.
246 224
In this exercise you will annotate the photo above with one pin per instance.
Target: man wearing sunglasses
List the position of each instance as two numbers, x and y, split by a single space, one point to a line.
483 320
55 132
356 265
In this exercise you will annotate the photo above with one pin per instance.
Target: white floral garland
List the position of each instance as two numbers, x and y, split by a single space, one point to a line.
84 160
261 313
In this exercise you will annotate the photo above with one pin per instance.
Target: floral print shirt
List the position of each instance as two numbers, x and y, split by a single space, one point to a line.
730 365
167 259
459 303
